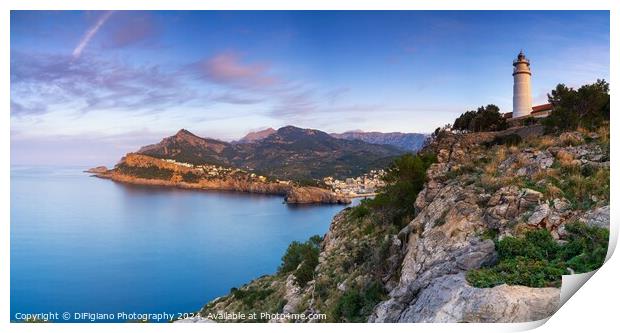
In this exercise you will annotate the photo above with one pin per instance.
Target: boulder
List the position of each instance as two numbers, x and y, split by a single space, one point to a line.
598 217
540 214
451 299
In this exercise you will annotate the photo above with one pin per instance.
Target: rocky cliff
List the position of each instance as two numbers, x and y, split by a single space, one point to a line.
311 194
140 169
484 188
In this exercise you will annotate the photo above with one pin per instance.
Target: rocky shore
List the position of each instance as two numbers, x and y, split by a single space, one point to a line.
137 164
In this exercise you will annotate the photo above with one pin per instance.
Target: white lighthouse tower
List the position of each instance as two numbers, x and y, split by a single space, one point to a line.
522 88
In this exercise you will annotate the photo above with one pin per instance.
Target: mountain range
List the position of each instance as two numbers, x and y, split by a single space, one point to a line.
287 153
405 141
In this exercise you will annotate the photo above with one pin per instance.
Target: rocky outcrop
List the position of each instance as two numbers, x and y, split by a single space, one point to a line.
309 195
598 217
238 183
451 299
99 169
443 242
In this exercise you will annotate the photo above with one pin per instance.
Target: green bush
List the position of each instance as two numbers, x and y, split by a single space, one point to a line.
404 180
251 295
537 260
301 259
356 305
360 211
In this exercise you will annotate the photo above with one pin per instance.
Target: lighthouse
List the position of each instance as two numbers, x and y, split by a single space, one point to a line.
522 88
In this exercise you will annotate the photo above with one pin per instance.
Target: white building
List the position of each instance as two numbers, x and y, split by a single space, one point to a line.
522 87
522 92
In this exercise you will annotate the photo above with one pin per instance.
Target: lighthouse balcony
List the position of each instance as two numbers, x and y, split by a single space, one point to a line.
521 60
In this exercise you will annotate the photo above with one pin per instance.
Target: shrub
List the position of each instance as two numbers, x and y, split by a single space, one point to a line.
404 180
537 260
356 305
251 295
301 259
360 211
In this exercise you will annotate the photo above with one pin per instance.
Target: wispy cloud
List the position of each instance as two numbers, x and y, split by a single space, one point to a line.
132 28
91 83
228 69
90 33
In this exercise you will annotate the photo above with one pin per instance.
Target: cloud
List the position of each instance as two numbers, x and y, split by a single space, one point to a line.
335 95
228 69
231 98
90 33
132 28
18 109
90 83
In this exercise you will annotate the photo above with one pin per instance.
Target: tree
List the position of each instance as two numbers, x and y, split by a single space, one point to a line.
485 118
404 180
586 107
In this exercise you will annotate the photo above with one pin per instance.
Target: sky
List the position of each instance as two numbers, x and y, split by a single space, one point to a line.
89 86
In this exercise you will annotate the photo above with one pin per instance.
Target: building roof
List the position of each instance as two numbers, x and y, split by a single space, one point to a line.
542 107
537 109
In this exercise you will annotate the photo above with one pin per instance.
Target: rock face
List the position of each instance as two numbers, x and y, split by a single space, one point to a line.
443 242
451 299
309 195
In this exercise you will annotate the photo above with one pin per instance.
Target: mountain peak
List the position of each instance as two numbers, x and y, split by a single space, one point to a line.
183 132
257 135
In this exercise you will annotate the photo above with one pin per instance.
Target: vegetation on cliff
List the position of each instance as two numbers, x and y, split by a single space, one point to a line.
301 259
404 179
538 260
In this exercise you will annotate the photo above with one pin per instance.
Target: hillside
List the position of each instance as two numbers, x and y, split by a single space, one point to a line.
405 141
289 153
499 219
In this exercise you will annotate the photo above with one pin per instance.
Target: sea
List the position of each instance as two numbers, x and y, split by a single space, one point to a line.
85 249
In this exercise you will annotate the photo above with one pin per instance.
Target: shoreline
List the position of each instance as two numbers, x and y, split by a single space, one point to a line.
289 193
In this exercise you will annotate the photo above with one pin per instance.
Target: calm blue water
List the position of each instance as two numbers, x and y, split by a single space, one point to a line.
83 244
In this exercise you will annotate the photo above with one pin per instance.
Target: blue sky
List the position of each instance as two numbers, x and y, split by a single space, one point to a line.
88 86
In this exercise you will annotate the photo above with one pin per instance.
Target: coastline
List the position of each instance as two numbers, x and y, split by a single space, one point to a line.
291 194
